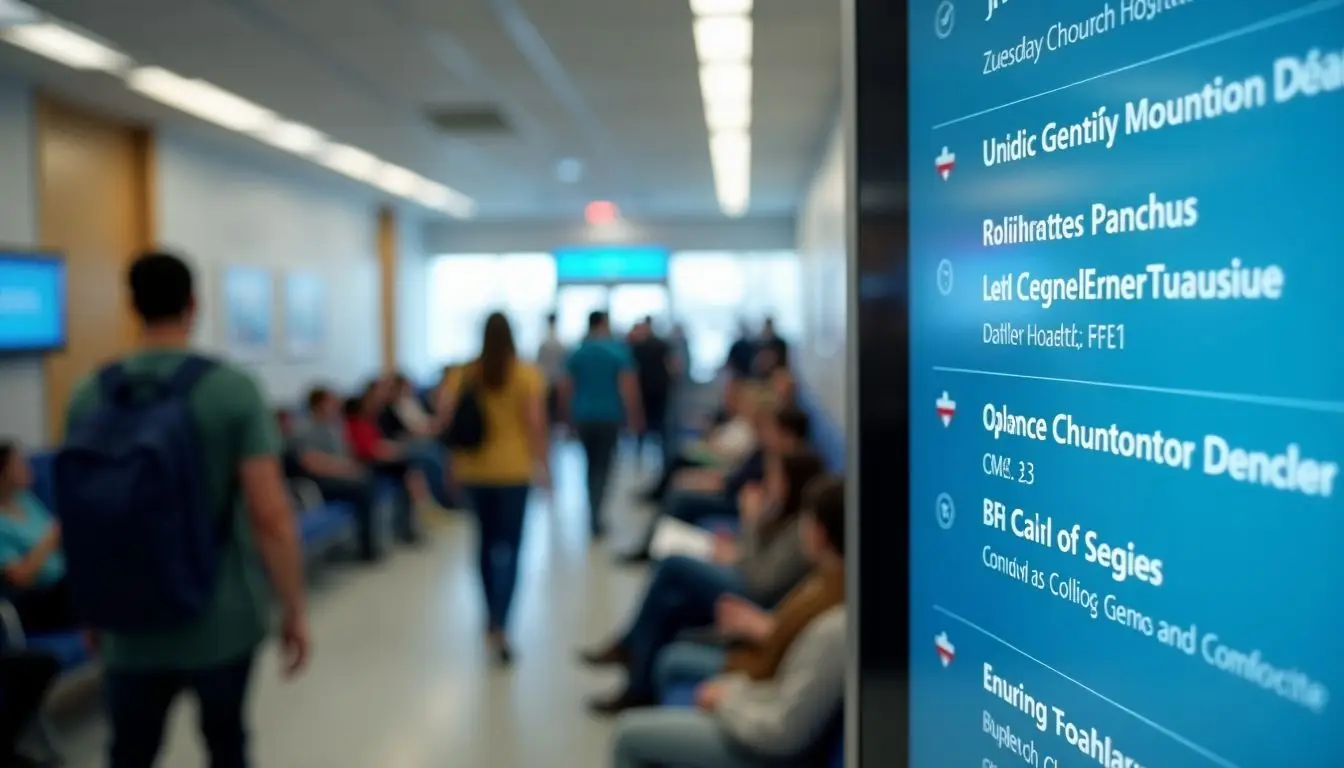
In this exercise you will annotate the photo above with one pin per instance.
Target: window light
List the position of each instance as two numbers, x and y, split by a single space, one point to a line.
723 38
66 46
721 7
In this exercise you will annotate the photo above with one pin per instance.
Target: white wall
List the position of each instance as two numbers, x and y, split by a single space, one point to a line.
412 310
822 251
23 407
219 208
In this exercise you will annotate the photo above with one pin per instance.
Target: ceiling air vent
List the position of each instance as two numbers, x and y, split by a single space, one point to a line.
468 120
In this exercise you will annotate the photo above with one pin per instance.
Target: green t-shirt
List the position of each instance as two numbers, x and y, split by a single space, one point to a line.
234 424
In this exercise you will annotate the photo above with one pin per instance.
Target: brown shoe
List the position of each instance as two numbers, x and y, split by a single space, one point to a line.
611 656
615 705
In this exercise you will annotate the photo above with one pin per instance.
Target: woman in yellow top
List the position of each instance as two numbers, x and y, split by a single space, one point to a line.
495 477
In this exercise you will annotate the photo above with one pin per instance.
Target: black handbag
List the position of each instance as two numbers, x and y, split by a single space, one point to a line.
466 432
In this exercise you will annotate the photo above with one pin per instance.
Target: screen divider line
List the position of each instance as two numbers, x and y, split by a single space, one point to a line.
1273 21
1204 752
1291 403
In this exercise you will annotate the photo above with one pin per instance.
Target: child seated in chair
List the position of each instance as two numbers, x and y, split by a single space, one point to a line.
31 561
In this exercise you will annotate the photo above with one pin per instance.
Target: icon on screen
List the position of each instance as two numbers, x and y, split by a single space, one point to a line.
947 408
944 163
946 650
944 18
945 277
946 510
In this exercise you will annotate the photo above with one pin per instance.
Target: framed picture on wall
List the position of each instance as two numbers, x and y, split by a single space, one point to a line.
248 301
305 316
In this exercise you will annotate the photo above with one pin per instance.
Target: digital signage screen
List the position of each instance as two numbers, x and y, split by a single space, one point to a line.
610 264
32 302
1126 396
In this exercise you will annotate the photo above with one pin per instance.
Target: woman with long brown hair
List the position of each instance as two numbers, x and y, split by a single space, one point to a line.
504 398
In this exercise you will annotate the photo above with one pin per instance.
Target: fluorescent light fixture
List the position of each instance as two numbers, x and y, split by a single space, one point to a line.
293 137
443 198
728 116
730 155
723 39
398 181
352 162
725 84
13 12
201 99
66 46
721 7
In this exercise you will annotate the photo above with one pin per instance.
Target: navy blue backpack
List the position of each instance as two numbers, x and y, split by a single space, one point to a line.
141 543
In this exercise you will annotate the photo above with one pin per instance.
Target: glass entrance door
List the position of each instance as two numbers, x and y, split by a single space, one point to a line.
633 302
573 303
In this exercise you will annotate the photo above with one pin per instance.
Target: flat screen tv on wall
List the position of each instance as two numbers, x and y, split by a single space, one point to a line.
32 302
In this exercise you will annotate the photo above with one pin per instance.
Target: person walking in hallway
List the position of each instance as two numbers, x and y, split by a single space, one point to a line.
551 361
503 400
174 512
599 391
653 356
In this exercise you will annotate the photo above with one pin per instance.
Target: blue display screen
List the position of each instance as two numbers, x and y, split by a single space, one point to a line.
610 264
32 303
1127 396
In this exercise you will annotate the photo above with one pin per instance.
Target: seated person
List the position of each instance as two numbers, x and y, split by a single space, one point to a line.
386 457
406 420
701 493
724 446
316 448
30 550
779 697
748 638
25 678
762 567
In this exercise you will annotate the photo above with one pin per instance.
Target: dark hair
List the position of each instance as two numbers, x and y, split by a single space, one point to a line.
800 469
352 406
317 396
161 287
596 319
498 352
824 500
793 421
551 318
8 449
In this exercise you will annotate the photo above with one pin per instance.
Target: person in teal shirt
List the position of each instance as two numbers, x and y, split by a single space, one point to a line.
598 392
30 550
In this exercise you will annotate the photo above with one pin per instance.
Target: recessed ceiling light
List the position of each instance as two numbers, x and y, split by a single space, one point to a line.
721 7
292 137
725 84
728 116
201 99
66 46
352 162
730 156
723 39
443 198
398 181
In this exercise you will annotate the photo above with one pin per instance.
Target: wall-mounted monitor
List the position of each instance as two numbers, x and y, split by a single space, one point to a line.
610 264
32 302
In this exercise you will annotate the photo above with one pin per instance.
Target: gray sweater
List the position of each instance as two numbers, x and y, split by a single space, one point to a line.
781 719
773 565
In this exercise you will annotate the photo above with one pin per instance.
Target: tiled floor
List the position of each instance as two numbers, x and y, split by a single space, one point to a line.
399 678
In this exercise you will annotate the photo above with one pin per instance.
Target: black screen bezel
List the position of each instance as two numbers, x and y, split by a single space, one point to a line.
877 146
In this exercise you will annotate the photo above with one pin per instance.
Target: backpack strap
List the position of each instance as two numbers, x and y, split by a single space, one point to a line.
112 382
188 373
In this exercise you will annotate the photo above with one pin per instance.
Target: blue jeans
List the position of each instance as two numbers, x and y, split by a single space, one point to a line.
500 511
138 704
668 736
684 663
680 596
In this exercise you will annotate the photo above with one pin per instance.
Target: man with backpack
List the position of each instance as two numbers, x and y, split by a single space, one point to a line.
174 517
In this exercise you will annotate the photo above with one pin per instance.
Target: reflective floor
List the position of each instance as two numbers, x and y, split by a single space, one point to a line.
399 676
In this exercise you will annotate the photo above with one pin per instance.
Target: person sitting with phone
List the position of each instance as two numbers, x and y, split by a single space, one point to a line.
724 446
780 694
762 566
